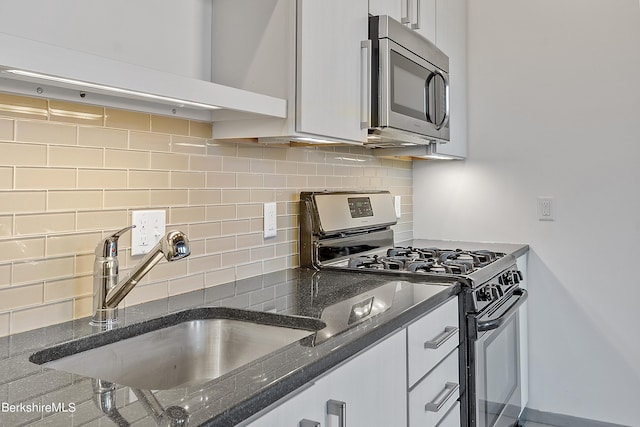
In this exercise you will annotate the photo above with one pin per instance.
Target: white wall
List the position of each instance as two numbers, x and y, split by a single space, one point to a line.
554 110
167 35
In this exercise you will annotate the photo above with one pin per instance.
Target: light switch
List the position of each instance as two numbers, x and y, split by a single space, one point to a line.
398 206
270 220
149 228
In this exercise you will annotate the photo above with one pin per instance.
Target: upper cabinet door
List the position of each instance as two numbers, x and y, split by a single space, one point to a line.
397 9
451 38
332 68
419 15
425 19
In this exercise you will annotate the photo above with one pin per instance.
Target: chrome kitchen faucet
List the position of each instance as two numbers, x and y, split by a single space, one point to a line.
108 291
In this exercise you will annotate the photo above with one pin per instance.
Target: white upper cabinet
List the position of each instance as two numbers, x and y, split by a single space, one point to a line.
119 56
451 38
418 15
309 52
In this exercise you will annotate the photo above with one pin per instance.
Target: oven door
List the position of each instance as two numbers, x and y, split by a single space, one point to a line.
413 93
497 364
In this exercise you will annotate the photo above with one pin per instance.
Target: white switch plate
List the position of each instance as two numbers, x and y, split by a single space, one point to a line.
546 209
149 228
397 203
270 220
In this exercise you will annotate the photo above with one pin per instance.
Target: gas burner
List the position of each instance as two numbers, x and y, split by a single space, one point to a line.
427 260
424 266
365 262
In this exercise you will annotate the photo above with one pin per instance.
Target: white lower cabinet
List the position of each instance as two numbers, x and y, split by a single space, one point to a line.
368 390
438 392
371 389
431 338
451 418
305 405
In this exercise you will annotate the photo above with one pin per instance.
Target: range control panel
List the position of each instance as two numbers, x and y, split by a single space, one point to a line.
495 289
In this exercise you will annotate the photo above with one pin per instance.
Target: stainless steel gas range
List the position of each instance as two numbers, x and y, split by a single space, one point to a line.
351 231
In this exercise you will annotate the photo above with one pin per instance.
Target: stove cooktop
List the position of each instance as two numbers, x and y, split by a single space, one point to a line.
426 260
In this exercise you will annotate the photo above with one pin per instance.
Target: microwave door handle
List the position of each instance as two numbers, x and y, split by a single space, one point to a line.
447 110
447 106
488 325
427 98
365 83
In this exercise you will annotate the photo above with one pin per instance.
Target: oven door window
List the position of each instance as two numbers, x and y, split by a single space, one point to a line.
498 376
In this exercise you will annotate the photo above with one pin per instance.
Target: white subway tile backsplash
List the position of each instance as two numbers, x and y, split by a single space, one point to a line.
124 159
6 130
12 154
76 156
65 289
102 178
74 200
102 137
41 270
44 178
71 173
44 315
45 132
204 197
23 201
20 296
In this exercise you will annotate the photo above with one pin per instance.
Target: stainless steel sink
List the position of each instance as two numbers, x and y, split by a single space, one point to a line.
208 346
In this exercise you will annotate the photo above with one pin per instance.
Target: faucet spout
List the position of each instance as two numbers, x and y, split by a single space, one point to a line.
173 246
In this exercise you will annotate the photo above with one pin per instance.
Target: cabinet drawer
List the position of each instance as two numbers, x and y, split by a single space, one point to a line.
452 418
436 394
431 338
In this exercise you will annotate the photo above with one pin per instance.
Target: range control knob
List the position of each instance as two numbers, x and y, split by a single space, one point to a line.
483 294
519 276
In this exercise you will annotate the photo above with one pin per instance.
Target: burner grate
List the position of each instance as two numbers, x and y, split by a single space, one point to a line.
427 260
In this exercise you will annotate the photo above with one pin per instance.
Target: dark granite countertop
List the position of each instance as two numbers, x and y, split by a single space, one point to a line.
31 394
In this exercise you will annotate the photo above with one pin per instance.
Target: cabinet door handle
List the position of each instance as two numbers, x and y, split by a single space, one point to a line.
437 342
365 82
339 409
449 390
416 25
308 423
406 19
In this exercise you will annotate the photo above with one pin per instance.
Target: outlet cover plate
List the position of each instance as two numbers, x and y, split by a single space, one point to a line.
546 208
150 226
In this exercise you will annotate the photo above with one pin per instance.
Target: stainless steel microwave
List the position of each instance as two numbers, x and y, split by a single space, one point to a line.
409 87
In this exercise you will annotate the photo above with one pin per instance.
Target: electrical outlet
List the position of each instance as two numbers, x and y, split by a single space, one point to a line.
545 209
270 220
149 228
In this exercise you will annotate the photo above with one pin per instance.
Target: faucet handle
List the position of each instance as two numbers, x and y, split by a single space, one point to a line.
108 247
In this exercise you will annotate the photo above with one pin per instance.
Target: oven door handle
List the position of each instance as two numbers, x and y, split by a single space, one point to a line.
488 325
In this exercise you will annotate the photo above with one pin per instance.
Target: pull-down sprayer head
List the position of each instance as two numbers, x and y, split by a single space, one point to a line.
173 246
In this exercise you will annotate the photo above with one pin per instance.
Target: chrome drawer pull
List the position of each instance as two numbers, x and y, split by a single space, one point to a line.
338 408
449 332
449 390
308 423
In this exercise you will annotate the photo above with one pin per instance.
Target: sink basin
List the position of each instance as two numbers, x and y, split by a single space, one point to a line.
180 349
